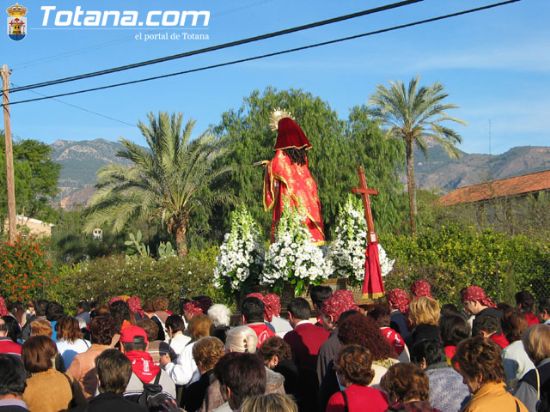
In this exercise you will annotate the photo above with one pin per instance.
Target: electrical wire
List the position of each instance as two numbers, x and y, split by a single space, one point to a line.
81 108
278 53
218 47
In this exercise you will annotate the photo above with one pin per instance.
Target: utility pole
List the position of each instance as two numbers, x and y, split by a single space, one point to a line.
12 229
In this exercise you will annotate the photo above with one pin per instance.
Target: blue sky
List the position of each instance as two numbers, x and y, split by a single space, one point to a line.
494 64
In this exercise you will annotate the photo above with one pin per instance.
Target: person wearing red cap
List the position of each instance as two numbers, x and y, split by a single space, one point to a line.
288 179
134 343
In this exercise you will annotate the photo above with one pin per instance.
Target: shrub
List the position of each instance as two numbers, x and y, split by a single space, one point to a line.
453 257
25 269
172 277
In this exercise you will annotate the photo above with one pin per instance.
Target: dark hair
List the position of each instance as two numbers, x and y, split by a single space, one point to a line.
453 328
12 375
150 327
346 315
102 329
84 305
40 307
513 325
480 357
428 350
114 370
244 374
319 294
38 353
448 309
300 309
354 363
275 346
120 311
253 309
137 344
361 330
12 327
544 305
68 329
175 322
380 313
54 311
406 381
488 324
297 156
525 300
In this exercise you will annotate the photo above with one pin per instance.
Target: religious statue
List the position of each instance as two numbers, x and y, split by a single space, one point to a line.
288 180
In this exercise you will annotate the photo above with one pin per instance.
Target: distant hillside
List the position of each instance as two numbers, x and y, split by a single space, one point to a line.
440 173
80 162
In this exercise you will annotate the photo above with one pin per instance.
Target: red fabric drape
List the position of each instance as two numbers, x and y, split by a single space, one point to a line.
373 287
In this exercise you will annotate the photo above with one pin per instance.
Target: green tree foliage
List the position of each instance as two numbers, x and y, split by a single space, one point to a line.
167 182
415 114
338 148
36 177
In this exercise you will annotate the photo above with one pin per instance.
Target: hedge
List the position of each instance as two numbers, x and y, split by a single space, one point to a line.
103 278
454 257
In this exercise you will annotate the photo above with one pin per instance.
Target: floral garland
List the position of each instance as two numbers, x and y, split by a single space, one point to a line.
293 257
241 254
347 251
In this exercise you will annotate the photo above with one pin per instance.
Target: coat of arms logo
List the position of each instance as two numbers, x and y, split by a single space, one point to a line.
17 22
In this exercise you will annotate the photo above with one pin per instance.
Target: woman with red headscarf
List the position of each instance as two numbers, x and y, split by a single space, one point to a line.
477 303
288 179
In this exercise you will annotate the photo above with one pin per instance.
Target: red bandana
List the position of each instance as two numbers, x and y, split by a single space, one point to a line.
3 308
193 308
340 302
272 304
399 299
477 294
143 365
421 288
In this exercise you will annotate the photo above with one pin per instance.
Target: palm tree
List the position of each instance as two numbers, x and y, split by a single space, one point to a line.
414 114
167 181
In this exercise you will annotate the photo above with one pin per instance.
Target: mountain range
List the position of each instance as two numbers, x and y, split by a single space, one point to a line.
81 160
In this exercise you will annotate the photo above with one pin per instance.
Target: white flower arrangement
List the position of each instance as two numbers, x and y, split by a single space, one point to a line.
241 254
347 251
293 257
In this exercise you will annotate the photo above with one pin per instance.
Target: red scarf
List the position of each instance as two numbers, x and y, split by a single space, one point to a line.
143 365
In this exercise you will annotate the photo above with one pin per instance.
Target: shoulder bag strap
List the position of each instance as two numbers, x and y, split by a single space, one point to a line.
538 383
157 378
345 395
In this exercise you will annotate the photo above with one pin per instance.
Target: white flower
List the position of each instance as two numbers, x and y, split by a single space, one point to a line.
347 252
239 251
293 256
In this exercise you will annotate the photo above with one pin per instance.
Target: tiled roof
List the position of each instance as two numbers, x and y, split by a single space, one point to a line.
533 182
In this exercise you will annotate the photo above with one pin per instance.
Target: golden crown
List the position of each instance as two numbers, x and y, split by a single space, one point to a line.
277 115
17 10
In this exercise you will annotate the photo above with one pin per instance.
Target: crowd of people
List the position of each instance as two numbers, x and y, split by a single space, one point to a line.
327 353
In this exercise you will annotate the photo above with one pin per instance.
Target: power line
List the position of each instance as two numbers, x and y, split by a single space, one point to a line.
258 57
82 108
219 46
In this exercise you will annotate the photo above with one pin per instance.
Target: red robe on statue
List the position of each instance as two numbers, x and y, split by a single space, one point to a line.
292 183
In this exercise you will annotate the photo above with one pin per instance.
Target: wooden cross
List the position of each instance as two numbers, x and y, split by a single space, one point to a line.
365 191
